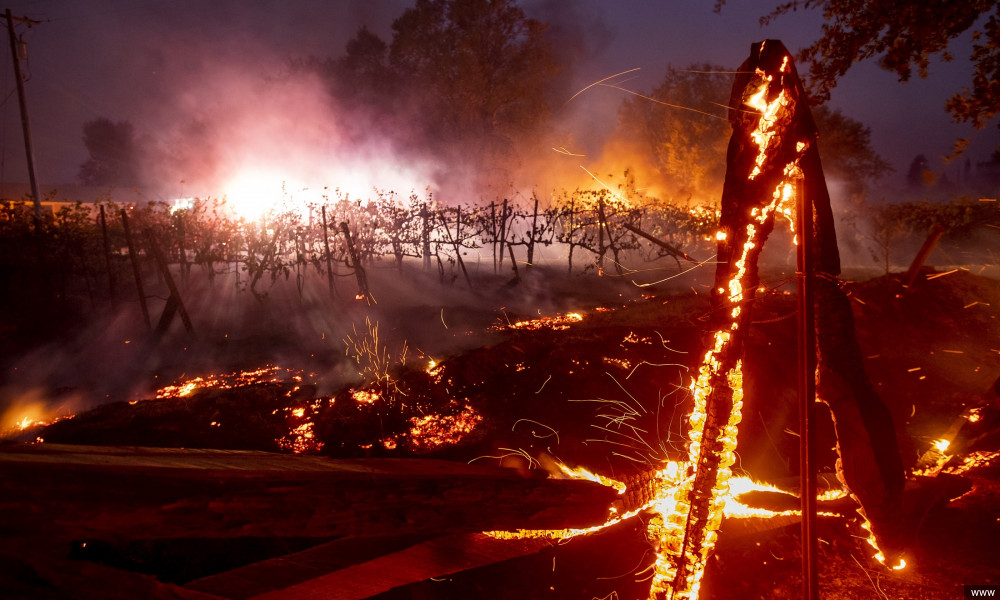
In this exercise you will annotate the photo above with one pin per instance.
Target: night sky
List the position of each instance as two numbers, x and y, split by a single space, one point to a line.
148 61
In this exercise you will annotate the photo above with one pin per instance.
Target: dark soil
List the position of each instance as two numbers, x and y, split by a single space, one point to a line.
610 393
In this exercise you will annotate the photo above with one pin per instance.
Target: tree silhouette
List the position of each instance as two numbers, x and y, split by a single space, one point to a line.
919 174
477 70
681 124
903 36
363 75
114 154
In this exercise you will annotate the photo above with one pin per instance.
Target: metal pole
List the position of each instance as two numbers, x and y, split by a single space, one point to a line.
807 394
29 153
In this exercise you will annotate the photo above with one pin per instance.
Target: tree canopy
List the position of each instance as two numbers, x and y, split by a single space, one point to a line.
464 74
683 128
479 66
113 153
904 36
682 125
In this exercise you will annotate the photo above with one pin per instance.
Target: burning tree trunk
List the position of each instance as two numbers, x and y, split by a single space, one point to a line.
773 145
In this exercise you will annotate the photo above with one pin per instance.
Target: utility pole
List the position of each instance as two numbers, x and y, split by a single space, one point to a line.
29 153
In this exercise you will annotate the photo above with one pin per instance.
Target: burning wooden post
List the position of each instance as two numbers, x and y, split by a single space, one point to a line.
773 147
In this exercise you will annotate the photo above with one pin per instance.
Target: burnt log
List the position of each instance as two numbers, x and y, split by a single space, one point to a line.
357 568
81 492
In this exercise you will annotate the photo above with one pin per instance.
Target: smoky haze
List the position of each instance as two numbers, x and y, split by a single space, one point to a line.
217 95
213 93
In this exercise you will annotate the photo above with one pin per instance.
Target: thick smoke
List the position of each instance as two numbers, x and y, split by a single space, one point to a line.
224 111
225 126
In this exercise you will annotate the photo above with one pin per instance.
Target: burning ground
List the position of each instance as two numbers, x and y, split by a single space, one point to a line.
600 382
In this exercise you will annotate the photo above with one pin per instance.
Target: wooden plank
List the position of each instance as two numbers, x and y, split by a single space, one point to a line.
435 558
292 569
125 493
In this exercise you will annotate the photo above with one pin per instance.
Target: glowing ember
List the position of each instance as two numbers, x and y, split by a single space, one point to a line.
365 396
373 357
879 555
237 379
670 481
434 431
301 440
301 437
556 322
976 460
582 473
29 416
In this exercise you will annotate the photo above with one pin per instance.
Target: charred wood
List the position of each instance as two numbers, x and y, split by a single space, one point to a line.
120 493
673 251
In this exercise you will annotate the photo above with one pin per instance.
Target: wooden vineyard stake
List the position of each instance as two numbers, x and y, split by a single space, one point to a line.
326 254
456 241
359 270
107 257
136 272
933 236
517 274
174 303
674 252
